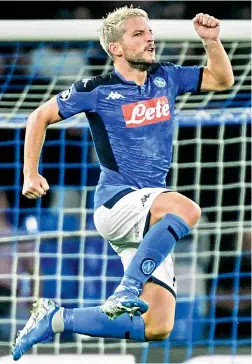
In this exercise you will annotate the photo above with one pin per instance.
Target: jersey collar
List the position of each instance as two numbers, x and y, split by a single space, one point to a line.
116 72
153 68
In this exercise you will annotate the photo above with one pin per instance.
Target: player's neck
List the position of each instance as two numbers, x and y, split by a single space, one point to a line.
131 74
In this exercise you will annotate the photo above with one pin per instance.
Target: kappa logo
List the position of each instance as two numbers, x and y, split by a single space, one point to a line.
146 112
115 96
148 266
160 82
65 95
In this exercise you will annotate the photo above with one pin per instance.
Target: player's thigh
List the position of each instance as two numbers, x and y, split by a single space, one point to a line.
159 319
127 219
174 203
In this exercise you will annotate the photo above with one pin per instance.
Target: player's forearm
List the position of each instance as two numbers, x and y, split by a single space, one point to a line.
34 140
218 63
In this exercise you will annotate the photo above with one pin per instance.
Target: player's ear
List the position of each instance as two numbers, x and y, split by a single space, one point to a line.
116 49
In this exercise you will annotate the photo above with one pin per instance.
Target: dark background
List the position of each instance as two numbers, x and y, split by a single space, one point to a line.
96 10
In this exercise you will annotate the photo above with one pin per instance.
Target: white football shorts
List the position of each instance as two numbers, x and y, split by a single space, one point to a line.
124 220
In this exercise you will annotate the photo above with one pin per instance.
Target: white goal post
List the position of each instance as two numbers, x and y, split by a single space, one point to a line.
88 29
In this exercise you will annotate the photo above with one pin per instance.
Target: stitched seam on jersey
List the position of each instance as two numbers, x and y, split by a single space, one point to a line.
94 89
96 103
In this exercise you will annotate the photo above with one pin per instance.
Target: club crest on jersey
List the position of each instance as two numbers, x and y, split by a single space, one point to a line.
66 94
160 82
146 112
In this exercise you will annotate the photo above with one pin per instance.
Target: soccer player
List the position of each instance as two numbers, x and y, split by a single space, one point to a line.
130 111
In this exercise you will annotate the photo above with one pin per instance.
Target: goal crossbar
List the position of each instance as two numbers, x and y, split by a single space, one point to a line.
88 29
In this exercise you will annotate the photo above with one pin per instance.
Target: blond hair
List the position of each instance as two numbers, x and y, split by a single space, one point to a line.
112 28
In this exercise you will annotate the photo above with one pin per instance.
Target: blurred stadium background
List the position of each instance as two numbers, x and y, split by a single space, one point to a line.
50 247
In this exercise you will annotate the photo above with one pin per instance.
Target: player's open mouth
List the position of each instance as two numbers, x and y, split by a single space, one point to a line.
151 50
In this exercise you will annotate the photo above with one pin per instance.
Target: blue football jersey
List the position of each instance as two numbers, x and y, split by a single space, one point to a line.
131 125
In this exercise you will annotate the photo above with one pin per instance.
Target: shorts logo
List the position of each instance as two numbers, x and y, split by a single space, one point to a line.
148 266
146 112
160 82
136 227
65 95
145 198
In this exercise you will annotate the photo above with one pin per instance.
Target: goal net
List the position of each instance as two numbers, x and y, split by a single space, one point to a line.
50 246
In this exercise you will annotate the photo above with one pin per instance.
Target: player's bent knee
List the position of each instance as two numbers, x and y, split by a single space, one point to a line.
190 212
194 213
158 333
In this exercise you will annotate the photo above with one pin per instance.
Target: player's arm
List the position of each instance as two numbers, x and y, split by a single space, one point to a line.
81 96
218 73
34 184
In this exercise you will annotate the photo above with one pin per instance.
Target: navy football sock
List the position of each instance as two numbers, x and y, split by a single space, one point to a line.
156 245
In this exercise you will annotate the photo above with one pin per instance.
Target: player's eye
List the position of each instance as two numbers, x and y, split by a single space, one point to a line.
136 34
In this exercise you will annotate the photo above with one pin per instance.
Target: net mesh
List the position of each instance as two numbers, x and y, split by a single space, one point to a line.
32 73
50 247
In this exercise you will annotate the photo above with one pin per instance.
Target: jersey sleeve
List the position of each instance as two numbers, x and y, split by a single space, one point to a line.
187 78
80 97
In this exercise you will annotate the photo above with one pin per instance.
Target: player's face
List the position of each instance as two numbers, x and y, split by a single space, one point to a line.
138 43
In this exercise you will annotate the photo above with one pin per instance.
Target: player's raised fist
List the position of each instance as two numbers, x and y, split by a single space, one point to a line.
35 186
206 26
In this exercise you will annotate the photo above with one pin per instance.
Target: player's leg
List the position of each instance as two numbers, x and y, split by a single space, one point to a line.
172 217
177 204
48 319
156 324
159 319
160 294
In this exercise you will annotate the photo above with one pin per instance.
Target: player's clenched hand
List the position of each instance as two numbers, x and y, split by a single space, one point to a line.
35 186
206 26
